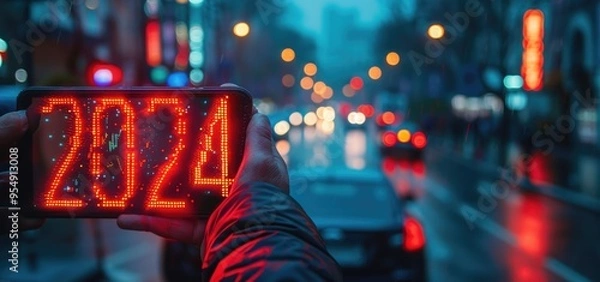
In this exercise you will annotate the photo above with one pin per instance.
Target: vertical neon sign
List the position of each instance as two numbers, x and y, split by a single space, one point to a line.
532 69
153 44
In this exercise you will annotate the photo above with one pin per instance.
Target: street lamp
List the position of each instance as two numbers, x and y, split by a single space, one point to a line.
288 55
375 73
310 69
392 59
436 31
241 29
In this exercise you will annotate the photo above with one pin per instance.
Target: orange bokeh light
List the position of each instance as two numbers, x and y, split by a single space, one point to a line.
388 118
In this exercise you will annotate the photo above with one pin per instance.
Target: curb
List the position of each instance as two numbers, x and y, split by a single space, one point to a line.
552 191
564 195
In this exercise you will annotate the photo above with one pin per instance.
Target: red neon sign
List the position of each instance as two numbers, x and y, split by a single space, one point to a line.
153 44
103 141
532 69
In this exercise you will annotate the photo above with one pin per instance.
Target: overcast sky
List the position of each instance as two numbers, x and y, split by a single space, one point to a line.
311 11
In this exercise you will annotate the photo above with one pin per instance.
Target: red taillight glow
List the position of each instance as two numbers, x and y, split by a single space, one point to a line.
356 83
345 109
367 110
419 140
414 235
388 139
388 118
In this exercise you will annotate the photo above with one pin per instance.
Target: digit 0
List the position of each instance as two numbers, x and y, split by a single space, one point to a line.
218 118
66 161
98 141
165 171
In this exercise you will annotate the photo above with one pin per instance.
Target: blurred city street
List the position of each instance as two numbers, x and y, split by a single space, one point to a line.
482 115
520 236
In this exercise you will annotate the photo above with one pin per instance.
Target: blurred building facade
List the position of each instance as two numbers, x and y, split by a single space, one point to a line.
346 46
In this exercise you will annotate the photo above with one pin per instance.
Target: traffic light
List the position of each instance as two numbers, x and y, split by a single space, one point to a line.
103 74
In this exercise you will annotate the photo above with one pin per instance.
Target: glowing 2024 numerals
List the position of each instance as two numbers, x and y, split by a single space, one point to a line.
175 105
98 140
66 162
218 116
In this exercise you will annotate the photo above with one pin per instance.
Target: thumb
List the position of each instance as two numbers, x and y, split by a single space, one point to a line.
258 136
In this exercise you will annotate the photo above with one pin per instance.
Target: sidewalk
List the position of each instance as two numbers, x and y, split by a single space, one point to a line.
571 178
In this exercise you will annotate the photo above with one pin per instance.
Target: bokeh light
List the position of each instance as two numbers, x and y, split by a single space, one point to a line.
316 98
404 136
241 29
328 94
356 83
357 118
21 75
288 80
288 55
320 87
392 59
296 119
367 110
329 114
310 69
196 76
388 118
281 128
283 147
348 91
436 31
375 73
310 119
306 83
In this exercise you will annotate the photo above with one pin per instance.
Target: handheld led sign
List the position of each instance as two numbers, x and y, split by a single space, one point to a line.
104 152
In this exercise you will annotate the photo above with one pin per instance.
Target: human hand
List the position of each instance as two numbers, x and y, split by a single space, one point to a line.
261 163
12 128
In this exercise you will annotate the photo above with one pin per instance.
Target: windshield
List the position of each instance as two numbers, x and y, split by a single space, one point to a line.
352 201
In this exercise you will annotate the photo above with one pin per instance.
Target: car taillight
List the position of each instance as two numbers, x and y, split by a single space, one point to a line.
388 118
388 139
419 140
414 235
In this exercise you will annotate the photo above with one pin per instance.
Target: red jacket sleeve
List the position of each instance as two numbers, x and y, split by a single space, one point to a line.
260 233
